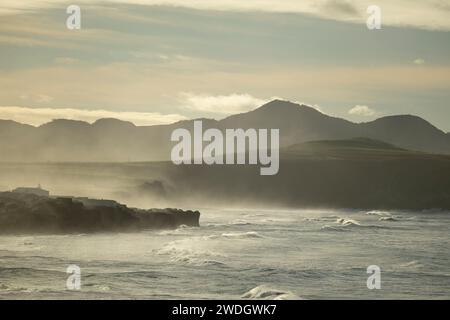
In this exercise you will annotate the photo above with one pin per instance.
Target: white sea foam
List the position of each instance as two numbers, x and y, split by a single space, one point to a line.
181 230
265 292
239 222
348 222
344 224
378 213
388 219
242 235
229 257
276 220
182 252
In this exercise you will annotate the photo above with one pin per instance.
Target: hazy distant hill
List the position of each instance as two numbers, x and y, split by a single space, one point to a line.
297 123
115 140
409 132
300 123
357 148
354 173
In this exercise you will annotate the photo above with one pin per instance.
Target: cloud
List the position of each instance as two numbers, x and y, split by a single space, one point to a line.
134 87
364 111
39 98
161 57
340 7
419 61
428 14
222 104
66 61
38 116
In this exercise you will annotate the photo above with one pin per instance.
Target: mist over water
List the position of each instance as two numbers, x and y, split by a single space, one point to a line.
241 253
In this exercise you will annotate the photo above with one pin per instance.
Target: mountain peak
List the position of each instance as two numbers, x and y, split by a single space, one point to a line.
276 103
280 105
406 120
105 122
7 122
65 123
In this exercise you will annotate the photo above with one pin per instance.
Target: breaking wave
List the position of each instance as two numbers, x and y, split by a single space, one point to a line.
343 224
239 222
265 292
378 213
242 235
181 230
177 252
348 222
388 219
235 235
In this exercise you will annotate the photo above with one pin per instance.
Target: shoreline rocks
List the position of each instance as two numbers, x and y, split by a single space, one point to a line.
32 214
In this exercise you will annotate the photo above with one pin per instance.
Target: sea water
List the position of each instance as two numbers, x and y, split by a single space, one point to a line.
251 254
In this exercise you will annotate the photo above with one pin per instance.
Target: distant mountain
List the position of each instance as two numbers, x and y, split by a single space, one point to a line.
297 123
300 123
345 149
410 132
116 140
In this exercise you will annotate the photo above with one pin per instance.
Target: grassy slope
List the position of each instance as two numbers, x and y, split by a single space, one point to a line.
357 173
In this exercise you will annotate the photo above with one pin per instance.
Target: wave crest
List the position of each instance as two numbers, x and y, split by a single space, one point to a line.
242 235
388 219
265 292
378 213
177 252
348 222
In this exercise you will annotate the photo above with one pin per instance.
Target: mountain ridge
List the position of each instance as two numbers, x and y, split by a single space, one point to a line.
110 139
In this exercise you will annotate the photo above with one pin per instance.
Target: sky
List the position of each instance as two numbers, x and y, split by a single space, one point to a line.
160 61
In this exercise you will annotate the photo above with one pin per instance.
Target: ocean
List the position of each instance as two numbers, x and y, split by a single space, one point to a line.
241 253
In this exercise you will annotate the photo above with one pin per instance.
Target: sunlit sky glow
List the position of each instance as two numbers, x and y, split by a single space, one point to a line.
153 62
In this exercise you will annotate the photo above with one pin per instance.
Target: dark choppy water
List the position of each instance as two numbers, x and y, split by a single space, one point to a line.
303 254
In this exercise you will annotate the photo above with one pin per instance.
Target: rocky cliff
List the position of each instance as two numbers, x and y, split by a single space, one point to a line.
22 213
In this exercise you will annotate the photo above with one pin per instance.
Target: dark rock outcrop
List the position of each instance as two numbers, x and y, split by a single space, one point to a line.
25 213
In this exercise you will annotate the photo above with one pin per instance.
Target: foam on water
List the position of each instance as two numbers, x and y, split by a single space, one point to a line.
240 222
378 213
348 222
322 254
181 252
242 235
265 292
388 219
